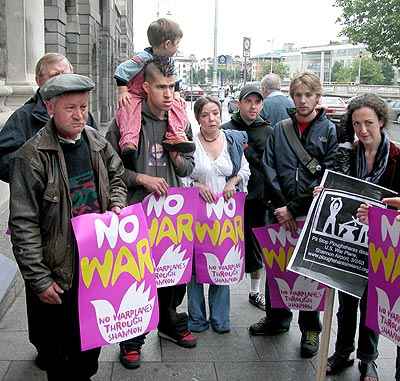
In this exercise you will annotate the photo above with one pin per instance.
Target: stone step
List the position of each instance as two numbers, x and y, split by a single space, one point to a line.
11 282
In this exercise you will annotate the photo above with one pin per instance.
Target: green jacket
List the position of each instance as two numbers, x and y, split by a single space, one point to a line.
40 205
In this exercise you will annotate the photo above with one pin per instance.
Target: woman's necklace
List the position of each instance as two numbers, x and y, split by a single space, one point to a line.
210 140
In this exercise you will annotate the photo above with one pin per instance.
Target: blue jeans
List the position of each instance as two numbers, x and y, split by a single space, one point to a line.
219 304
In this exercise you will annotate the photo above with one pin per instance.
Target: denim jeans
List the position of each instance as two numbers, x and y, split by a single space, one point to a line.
367 349
282 317
219 304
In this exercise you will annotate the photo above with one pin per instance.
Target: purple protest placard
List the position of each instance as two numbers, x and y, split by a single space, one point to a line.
287 289
383 308
117 292
170 219
219 241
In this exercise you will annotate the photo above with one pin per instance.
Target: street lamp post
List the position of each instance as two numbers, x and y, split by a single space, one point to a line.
214 90
192 57
271 59
359 68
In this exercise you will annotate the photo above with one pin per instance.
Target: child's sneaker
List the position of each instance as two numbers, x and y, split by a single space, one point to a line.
179 146
127 153
258 300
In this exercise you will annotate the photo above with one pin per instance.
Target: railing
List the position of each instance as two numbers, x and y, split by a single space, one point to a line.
348 90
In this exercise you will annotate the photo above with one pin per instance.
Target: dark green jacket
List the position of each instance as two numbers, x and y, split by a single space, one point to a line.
257 134
151 136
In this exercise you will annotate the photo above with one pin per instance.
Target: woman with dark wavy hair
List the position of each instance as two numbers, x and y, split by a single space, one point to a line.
375 159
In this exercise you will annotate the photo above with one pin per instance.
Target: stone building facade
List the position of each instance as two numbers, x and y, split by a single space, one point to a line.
95 35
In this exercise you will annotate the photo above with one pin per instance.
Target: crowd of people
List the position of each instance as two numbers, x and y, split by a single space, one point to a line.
50 151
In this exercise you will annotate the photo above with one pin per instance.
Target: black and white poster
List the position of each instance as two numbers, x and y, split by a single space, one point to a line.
333 245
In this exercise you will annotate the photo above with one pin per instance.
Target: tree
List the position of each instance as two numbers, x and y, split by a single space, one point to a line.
336 71
370 70
371 73
375 23
388 73
345 75
279 68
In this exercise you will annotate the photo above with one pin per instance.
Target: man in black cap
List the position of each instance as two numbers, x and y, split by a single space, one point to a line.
247 119
28 119
65 170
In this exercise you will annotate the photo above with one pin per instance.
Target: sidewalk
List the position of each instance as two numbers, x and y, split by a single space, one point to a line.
230 357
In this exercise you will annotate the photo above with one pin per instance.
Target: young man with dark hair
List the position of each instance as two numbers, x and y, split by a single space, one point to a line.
154 169
292 182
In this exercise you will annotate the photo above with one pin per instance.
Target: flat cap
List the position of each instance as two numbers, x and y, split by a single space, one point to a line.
249 89
65 83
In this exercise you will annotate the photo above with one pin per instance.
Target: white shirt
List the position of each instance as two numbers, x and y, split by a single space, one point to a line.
213 173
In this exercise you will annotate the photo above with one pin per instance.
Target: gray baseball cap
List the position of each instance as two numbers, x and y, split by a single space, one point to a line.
65 83
248 90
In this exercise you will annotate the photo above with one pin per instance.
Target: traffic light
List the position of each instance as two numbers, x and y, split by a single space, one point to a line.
241 73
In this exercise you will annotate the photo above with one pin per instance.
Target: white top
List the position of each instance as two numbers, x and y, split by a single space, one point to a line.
214 172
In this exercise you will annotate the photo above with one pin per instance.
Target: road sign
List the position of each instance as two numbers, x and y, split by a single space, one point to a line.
246 46
222 60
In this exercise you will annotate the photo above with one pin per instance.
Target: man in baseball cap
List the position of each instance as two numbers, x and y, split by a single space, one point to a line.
67 169
247 119
249 90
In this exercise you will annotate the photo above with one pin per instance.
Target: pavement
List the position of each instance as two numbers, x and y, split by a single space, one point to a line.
229 357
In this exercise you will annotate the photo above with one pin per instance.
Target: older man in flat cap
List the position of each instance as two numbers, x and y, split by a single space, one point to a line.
65 170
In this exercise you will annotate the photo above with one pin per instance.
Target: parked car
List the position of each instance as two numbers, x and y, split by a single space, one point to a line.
335 107
394 109
193 93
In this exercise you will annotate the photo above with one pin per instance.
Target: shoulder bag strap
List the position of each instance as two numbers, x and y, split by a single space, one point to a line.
305 158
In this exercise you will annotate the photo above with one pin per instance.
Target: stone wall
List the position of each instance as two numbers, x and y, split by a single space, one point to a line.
95 35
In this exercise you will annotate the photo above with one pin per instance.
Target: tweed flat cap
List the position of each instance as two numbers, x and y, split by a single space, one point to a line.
65 83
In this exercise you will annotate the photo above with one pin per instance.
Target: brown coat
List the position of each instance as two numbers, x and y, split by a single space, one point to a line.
40 205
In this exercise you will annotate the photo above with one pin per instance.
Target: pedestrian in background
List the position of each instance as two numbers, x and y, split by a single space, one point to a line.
28 119
221 96
276 104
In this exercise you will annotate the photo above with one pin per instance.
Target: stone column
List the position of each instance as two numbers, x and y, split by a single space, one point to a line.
25 40
25 45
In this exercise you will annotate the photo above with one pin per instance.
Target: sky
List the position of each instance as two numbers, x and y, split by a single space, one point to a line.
304 22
